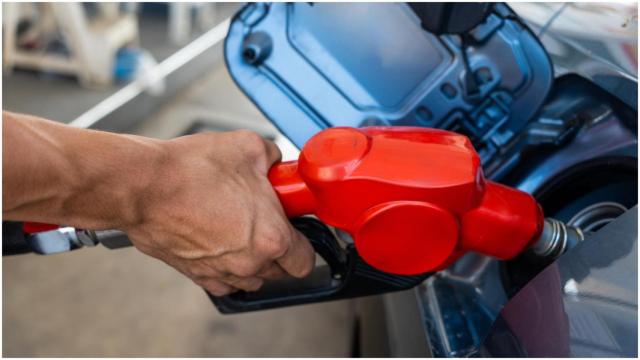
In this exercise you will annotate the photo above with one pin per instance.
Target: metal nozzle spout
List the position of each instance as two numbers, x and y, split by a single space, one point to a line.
555 239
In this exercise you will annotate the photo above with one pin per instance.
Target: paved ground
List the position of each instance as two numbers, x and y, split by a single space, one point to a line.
97 302
121 303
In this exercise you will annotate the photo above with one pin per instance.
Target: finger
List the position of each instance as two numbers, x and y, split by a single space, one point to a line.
299 259
273 152
214 276
247 284
216 287
201 269
273 272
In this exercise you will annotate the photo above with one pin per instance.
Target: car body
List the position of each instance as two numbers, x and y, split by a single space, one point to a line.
560 125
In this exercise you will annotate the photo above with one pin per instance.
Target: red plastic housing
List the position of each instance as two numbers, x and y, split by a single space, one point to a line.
36 227
413 199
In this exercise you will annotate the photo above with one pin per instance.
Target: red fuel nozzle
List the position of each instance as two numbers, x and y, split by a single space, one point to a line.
413 199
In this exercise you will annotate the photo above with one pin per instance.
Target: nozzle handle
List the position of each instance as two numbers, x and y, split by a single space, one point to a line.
346 275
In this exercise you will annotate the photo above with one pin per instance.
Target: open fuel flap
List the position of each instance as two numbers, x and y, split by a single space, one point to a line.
308 66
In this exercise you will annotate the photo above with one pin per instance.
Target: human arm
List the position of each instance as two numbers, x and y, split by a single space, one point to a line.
200 203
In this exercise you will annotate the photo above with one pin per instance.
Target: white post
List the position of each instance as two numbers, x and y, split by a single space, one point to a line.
179 22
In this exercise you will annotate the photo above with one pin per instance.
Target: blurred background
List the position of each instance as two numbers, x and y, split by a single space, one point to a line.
155 70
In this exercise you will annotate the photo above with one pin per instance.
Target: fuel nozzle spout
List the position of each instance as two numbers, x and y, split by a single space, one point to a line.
555 239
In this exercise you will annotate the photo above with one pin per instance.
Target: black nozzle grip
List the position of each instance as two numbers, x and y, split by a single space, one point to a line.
345 276
14 240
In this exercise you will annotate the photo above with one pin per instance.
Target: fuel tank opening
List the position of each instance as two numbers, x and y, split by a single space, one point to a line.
588 197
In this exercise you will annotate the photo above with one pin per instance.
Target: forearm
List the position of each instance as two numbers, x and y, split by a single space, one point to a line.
58 174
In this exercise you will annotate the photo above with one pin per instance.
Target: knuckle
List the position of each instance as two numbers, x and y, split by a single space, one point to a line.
251 142
245 269
272 244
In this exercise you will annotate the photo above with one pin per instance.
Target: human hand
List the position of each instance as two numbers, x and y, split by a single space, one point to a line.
211 213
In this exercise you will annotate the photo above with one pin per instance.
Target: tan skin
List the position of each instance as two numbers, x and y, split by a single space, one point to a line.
200 203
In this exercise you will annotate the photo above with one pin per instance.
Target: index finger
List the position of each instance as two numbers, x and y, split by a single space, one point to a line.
300 258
